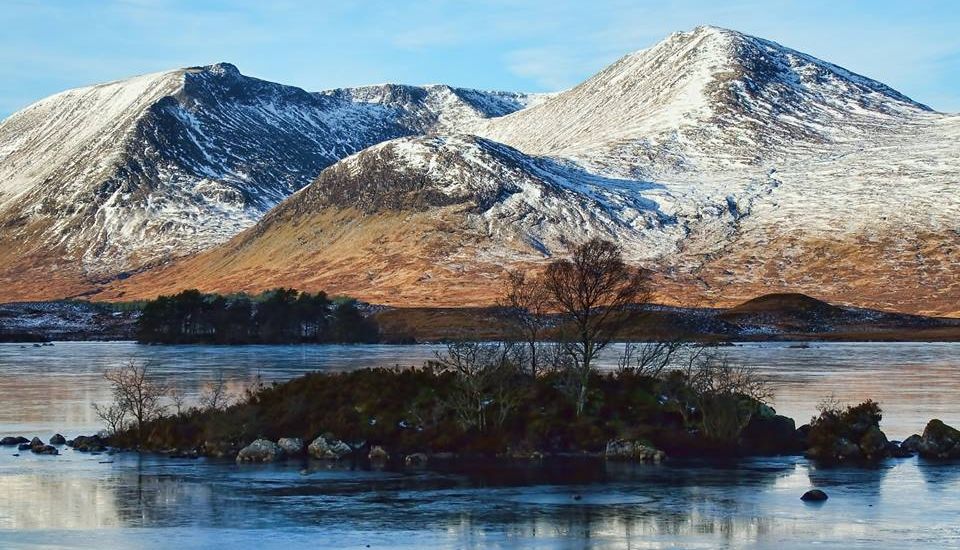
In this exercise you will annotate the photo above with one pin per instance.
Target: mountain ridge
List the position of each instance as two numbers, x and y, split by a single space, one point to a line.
730 164
127 174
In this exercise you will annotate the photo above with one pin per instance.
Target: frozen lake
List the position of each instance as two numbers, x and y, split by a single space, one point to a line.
124 500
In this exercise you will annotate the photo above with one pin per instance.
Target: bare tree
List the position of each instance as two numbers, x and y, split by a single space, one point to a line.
177 398
135 394
527 302
594 290
485 388
215 396
649 358
113 415
720 395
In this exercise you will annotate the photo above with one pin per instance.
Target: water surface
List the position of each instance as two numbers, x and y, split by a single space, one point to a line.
126 500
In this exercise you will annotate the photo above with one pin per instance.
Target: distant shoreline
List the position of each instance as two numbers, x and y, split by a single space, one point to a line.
771 318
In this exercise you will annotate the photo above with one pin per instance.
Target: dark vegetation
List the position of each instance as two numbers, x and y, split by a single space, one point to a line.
849 433
279 316
496 410
769 317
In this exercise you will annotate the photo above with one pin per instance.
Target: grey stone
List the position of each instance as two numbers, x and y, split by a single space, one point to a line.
261 450
292 446
328 448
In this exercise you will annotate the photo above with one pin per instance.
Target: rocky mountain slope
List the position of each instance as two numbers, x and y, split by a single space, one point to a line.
730 164
437 216
98 181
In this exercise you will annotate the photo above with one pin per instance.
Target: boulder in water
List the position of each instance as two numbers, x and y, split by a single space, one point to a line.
43 449
58 440
814 495
896 450
261 450
378 455
623 449
13 440
939 441
292 446
911 443
218 449
326 447
87 444
415 460
771 435
874 444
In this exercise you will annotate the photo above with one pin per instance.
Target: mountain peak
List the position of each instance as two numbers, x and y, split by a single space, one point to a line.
219 69
711 85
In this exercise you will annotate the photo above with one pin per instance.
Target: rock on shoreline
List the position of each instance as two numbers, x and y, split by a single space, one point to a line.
261 450
327 447
939 441
622 449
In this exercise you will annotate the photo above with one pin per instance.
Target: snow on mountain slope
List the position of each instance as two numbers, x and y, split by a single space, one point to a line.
434 217
732 165
123 174
770 160
516 201
437 107
707 87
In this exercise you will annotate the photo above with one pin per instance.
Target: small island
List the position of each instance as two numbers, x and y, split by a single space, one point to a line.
532 394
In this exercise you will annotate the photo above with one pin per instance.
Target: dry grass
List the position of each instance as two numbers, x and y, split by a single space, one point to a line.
431 259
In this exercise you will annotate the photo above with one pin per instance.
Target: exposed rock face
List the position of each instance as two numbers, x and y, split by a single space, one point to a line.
326 447
261 450
291 446
939 441
844 449
622 449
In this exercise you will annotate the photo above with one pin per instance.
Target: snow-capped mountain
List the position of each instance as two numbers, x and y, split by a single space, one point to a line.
738 94
437 107
123 174
511 202
434 215
782 169
732 165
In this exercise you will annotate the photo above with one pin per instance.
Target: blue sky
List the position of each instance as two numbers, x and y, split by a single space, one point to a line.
539 45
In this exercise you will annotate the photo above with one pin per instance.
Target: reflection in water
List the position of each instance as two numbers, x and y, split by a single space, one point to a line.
126 500
467 505
204 502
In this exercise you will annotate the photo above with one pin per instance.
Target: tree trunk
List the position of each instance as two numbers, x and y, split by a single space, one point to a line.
533 358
